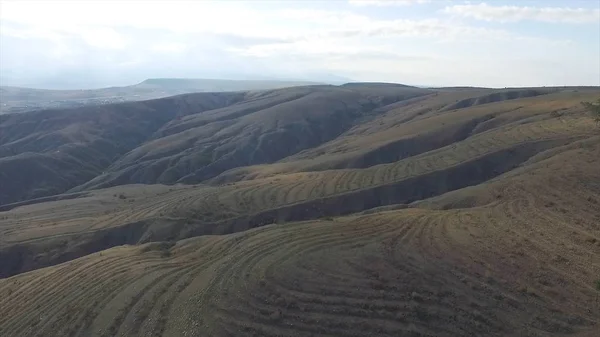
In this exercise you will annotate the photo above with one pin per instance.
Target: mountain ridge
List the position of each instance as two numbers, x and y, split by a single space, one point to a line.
23 99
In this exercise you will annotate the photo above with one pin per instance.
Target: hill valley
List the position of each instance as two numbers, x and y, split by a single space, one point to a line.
366 209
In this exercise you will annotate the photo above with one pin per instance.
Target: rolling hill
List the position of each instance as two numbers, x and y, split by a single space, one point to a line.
366 209
19 99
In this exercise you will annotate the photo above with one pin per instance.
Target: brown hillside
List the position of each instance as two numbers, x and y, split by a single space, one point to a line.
262 129
522 262
500 137
361 210
65 148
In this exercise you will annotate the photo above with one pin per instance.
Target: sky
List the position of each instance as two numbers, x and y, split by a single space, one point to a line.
84 44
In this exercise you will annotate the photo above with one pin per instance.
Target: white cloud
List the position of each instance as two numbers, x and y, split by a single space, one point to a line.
382 36
99 23
178 38
385 3
487 12
176 16
169 47
102 37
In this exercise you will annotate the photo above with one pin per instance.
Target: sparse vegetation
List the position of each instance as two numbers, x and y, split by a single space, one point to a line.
448 222
593 109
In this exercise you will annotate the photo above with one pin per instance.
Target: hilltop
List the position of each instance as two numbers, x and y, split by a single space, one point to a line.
18 99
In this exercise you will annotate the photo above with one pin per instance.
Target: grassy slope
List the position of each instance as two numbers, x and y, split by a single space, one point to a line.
187 138
519 130
264 128
515 252
47 152
521 262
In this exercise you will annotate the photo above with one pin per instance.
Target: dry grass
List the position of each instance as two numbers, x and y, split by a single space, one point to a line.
517 130
522 264
498 235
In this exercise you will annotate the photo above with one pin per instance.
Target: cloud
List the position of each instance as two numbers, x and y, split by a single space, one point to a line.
101 24
277 39
427 28
385 3
97 37
102 37
104 25
382 36
169 47
487 12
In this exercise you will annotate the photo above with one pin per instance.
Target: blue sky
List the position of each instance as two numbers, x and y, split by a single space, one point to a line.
419 42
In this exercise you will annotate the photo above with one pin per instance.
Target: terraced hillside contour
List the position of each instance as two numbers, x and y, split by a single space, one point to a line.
188 138
422 217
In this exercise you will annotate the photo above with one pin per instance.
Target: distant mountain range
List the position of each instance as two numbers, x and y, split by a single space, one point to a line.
19 99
